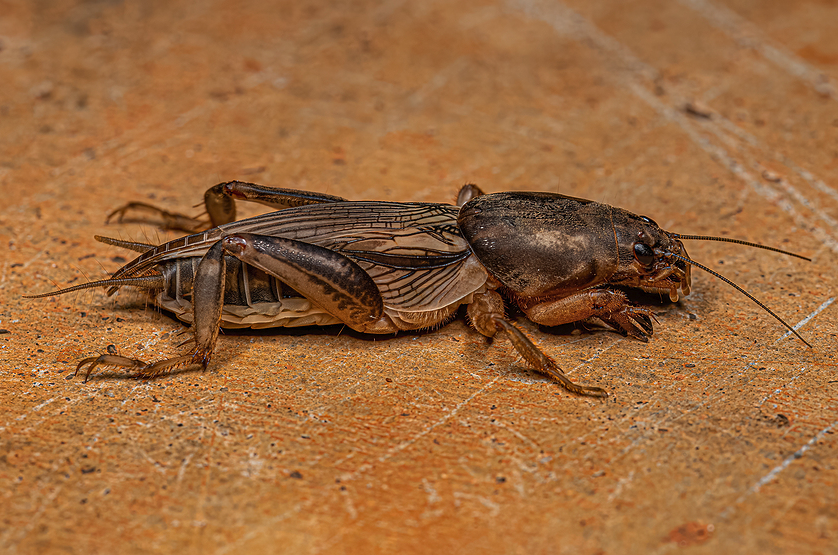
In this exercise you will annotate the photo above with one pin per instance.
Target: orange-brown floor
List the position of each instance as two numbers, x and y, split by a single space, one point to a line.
709 116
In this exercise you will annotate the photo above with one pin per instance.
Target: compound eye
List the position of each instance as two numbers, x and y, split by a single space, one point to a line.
644 254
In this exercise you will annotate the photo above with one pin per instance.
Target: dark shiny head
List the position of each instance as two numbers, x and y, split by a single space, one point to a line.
645 256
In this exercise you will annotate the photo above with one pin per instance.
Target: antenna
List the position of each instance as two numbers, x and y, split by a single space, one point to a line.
729 282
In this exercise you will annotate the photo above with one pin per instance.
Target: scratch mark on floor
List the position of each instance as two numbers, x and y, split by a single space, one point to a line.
33 259
494 508
437 81
618 489
199 520
747 35
433 510
595 356
405 444
772 475
155 464
350 506
519 435
18 534
779 389
724 128
807 319
182 470
36 408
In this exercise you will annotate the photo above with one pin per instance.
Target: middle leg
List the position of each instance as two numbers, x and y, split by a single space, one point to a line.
487 314
219 202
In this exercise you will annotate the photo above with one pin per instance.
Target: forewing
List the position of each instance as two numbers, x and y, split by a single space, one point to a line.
413 251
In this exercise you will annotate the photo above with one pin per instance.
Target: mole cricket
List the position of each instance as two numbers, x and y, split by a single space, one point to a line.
385 267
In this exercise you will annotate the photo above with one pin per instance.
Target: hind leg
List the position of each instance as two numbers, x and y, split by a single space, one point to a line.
207 303
219 202
486 312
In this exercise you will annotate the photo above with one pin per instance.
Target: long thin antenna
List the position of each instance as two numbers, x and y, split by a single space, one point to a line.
738 242
724 279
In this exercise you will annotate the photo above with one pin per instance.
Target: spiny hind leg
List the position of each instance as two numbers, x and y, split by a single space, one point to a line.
219 202
327 278
137 368
207 303
141 212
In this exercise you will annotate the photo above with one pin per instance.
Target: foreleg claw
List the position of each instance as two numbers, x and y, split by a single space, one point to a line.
633 321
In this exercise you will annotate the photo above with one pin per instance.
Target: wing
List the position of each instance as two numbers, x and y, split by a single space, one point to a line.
413 251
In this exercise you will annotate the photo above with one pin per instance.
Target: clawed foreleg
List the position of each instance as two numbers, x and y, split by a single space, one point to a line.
610 306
